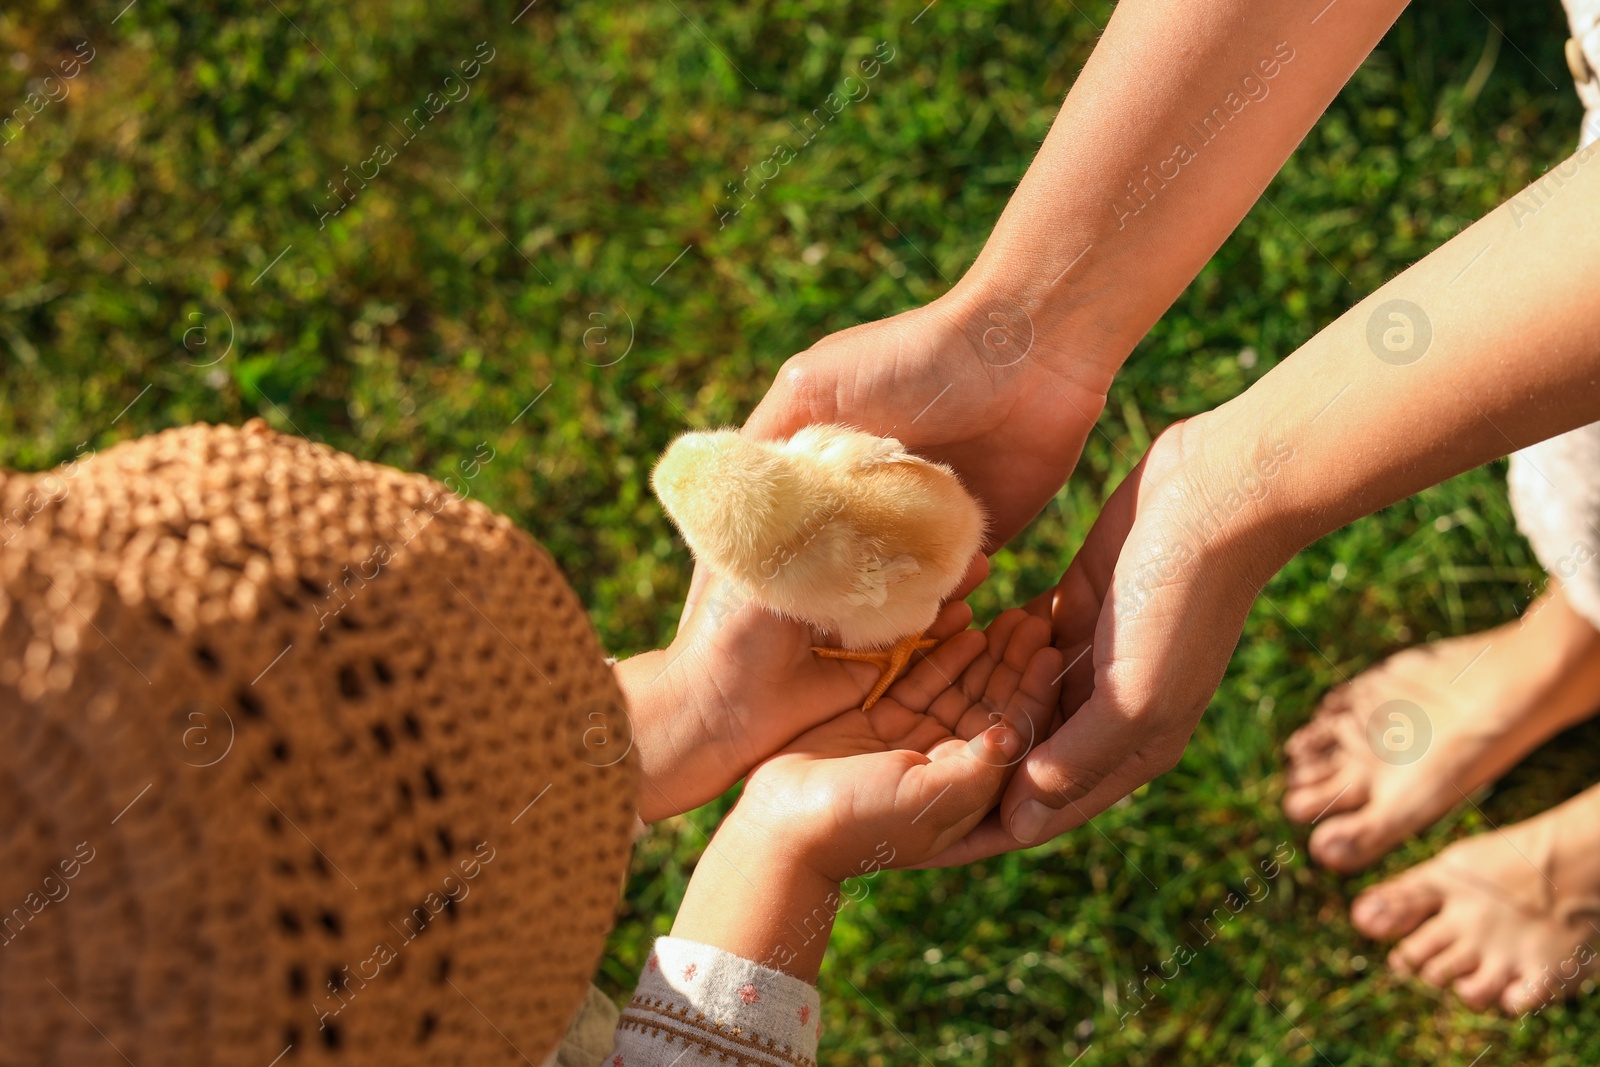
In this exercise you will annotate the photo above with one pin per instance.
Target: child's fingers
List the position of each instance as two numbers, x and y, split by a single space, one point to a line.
1031 634
972 675
1002 634
962 783
950 794
1038 695
1024 698
1000 630
932 674
1025 639
977 571
930 671
983 765
988 684
952 619
972 701
968 689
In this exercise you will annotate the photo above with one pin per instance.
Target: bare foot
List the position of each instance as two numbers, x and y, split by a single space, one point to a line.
1391 751
1509 917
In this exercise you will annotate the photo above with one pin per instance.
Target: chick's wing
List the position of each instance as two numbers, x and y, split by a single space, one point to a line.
870 585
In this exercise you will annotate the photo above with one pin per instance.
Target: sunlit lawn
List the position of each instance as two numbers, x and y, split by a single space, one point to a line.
552 235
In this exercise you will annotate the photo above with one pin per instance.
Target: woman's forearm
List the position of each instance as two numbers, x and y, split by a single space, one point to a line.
1175 126
1490 344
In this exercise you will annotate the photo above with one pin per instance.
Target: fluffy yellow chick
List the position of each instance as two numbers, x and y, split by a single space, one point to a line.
837 528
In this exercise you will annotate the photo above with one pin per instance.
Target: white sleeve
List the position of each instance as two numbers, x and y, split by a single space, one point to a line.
698 1006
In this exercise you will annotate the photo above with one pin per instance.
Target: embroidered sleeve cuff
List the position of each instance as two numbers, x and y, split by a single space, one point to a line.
712 1007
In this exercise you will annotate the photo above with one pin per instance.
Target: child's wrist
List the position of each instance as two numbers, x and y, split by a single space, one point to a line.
756 896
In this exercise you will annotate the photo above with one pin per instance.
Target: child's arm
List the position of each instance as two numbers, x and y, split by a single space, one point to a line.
890 787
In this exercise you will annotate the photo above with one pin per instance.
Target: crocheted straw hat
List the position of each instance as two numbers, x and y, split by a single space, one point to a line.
299 756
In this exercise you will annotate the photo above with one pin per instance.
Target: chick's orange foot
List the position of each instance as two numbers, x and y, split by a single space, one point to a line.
890 661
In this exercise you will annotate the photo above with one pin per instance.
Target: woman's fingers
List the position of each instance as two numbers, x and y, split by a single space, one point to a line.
1097 756
801 394
992 835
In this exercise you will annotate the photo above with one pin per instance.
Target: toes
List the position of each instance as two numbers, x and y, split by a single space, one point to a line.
1315 738
1334 794
1309 770
1484 986
1352 842
1525 992
1531 989
1430 939
1395 908
1451 963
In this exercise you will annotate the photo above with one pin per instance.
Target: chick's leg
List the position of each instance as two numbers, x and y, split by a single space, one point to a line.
890 661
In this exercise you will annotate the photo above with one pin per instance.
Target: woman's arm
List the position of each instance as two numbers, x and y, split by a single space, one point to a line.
1488 345
1173 129
1180 118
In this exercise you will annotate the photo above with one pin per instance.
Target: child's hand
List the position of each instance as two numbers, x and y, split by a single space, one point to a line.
923 766
893 786
736 685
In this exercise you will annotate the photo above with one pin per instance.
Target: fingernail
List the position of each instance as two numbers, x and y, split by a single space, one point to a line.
1007 742
997 745
1027 822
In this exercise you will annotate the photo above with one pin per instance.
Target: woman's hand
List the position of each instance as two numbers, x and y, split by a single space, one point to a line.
1146 617
1004 376
967 381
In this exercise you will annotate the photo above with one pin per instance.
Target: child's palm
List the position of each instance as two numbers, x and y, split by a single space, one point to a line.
903 773
766 685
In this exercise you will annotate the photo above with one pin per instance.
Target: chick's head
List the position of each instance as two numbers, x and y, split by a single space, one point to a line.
729 496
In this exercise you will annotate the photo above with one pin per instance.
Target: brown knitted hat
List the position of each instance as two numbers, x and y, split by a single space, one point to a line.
300 757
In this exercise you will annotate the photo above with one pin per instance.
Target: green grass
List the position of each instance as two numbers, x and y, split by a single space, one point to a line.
592 150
